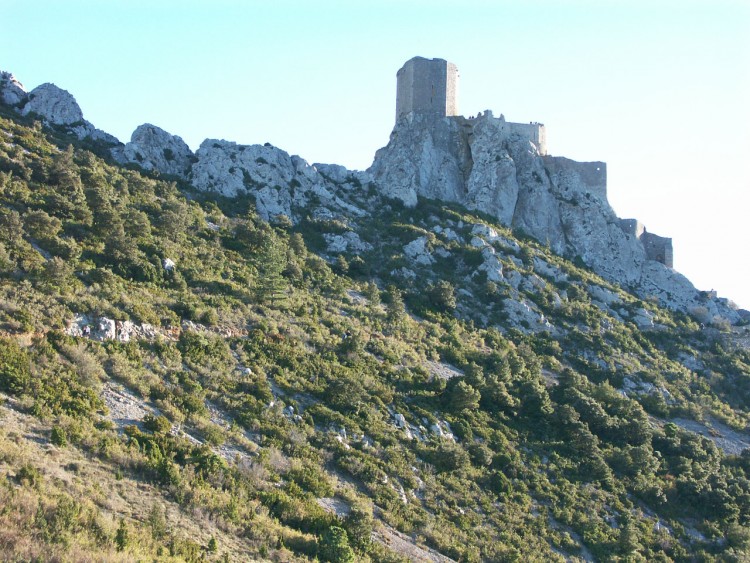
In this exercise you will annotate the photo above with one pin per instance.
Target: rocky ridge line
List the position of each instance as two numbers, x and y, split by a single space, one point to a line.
480 163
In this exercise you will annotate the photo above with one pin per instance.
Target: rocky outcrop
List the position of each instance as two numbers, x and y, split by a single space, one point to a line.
487 165
54 104
153 148
279 182
12 91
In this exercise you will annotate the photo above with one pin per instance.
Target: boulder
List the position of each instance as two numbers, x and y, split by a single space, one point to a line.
400 420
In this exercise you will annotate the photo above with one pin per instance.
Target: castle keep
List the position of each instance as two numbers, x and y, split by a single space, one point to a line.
427 86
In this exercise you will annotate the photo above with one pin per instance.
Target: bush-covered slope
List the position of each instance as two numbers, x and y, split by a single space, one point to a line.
256 398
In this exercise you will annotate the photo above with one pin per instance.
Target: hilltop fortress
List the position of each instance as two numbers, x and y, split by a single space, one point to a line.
486 162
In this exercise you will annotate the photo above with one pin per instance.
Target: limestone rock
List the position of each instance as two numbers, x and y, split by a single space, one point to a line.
346 242
491 265
55 105
426 156
276 180
524 315
487 165
154 149
492 186
106 329
418 250
12 91
643 319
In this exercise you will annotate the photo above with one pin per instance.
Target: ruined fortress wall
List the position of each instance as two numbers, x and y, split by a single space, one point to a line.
632 227
658 248
427 86
534 132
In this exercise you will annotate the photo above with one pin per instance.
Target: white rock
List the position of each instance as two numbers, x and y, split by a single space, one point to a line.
12 91
54 104
153 148
276 180
400 420
404 273
492 265
643 319
106 329
168 264
418 251
548 270
346 242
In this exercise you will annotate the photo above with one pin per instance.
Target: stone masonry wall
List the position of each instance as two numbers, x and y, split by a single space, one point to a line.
535 132
427 86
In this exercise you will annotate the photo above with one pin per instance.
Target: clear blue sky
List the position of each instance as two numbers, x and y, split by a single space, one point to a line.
660 90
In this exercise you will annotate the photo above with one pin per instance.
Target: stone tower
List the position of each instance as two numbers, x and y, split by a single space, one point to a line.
428 86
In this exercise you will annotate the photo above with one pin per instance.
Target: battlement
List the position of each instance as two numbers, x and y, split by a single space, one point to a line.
428 86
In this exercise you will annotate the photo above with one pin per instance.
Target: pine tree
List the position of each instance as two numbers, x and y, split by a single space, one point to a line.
271 262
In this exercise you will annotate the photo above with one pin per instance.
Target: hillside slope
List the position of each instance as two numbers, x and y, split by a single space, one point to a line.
182 379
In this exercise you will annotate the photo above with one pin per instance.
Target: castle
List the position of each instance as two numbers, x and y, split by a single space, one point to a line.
430 87
427 89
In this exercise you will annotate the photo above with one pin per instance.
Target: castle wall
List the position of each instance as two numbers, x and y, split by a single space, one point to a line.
632 227
534 132
658 248
427 86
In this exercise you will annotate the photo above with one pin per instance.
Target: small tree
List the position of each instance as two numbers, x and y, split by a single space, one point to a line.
122 537
271 263
464 397
334 546
442 296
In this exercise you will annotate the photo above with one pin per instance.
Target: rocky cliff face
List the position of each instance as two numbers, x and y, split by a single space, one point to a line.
484 165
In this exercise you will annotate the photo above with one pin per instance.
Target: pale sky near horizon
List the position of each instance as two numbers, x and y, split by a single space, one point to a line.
660 90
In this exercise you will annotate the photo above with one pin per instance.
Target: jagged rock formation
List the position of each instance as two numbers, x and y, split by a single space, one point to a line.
487 165
56 107
155 149
277 180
